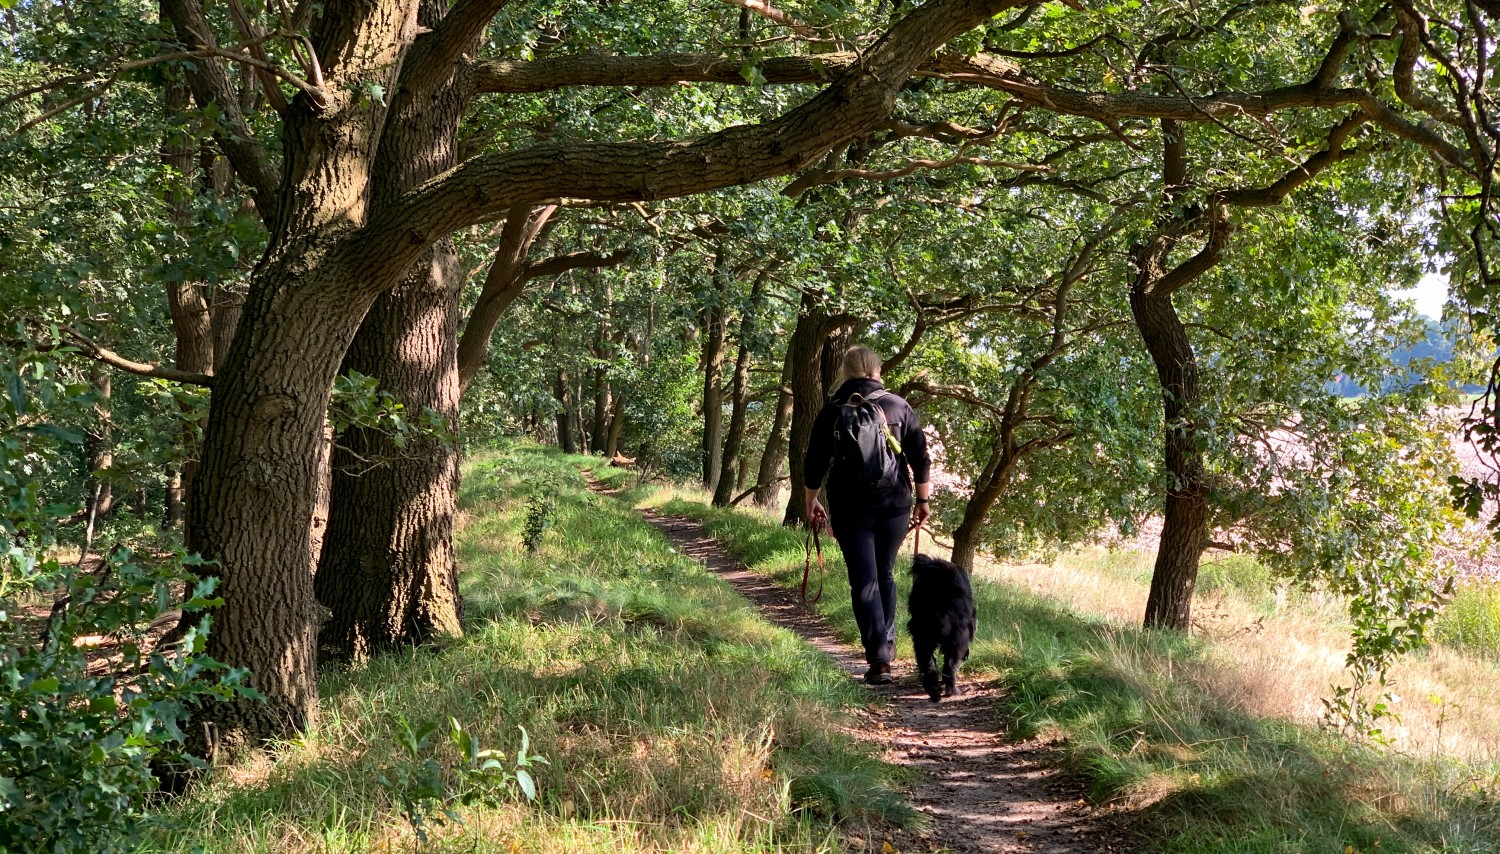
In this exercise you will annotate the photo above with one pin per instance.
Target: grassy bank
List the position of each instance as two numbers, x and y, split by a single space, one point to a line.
1174 727
671 716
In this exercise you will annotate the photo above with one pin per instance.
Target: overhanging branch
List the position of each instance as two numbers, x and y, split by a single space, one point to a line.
141 369
642 171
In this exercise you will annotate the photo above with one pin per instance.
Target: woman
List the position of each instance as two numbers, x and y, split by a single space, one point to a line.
868 518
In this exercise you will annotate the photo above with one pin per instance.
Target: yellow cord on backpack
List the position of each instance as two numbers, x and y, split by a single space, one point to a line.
889 439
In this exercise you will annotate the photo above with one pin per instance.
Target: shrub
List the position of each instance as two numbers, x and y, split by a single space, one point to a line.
79 734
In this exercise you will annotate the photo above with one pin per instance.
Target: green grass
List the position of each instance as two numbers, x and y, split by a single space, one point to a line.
1470 622
673 716
1140 718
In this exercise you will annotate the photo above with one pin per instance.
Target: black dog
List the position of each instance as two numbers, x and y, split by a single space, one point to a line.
942 616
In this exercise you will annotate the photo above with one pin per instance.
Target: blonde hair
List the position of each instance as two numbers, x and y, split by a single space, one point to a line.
858 361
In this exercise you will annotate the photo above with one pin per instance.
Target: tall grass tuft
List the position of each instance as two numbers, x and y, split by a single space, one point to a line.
1470 623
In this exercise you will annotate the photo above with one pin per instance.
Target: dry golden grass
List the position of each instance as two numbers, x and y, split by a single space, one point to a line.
1279 658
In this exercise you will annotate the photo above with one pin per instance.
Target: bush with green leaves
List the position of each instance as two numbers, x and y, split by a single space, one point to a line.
426 794
541 512
80 731
88 703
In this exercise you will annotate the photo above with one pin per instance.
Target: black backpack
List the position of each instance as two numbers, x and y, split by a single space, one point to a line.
864 449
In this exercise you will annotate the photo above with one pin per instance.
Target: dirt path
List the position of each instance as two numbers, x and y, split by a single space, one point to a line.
982 792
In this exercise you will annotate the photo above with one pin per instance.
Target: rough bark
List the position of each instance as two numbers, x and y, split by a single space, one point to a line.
738 398
388 572
252 504
225 307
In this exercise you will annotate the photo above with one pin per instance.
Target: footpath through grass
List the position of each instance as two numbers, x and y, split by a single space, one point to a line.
1141 716
673 717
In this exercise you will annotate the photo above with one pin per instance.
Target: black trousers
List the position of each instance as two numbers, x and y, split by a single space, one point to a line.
869 547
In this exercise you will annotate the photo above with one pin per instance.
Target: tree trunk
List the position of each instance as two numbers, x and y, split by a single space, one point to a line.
388 573
616 426
804 358
713 394
576 401
988 488
192 318
1184 535
252 504
744 473
100 447
225 307
831 358
774 454
602 404
560 391
176 511
503 284
739 392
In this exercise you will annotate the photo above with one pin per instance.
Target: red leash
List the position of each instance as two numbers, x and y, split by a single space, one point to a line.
813 540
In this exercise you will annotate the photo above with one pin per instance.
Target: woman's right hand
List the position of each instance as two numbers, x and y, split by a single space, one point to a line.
816 515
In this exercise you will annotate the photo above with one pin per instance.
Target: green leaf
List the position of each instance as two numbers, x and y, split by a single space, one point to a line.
527 784
17 392
59 433
752 74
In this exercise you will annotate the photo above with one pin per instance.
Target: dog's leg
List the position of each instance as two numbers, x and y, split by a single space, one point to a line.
953 659
926 652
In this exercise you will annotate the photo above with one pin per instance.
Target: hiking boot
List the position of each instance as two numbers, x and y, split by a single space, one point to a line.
879 674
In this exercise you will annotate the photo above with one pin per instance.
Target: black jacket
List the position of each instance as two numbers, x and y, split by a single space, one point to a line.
844 502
